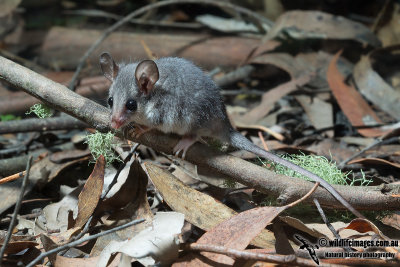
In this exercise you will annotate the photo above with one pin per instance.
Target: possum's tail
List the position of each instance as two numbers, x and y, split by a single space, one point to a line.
239 141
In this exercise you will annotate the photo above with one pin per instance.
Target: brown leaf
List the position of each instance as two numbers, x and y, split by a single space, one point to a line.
17 246
237 232
48 244
200 209
364 226
68 155
269 98
284 61
137 208
316 24
131 184
375 161
350 101
90 194
62 261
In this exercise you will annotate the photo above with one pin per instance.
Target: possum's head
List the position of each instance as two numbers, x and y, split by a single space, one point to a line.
131 86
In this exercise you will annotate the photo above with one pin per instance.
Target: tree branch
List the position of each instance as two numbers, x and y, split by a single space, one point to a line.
287 188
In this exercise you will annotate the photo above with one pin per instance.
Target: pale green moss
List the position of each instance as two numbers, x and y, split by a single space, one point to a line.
41 110
101 144
320 166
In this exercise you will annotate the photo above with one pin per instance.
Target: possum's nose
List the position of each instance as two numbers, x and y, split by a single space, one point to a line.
117 121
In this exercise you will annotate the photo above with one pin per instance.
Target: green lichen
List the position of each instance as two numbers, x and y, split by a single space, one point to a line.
320 166
327 170
41 110
101 144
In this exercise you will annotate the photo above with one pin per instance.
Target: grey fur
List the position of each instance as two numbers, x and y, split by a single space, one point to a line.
180 101
187 102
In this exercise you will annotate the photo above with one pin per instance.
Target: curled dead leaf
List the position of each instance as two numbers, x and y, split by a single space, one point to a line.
91 192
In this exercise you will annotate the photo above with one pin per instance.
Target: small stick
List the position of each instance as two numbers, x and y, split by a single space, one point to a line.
115 179
16 209
378 142
321 212
12 177
241 254
294 203
263 141
80 241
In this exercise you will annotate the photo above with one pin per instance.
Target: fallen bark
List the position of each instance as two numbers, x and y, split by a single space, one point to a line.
288 189
40 125
205 50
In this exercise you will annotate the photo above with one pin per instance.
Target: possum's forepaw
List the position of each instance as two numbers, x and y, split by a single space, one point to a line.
183 145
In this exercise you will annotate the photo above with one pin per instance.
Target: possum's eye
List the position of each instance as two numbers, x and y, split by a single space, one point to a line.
131 105
110 102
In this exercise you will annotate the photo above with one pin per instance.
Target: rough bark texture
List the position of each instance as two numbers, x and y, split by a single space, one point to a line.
59 97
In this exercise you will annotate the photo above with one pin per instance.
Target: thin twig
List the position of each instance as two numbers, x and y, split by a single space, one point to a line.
103 14
378 142
263 141
13 177
321 212
294 203
78 236
241 91
80 241
16 209
235 75
115 179
241 254
144 9
380 15
328 224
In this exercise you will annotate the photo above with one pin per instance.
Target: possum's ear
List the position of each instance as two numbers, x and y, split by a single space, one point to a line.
108 66
146 75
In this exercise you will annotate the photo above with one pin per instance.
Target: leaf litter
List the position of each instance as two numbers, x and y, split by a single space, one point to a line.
301 95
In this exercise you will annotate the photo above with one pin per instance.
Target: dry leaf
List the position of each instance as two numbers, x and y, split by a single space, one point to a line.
156 244
91 192
68 155
18 246
200 209
137 208
269 98
316 24
319 112
375 161
350 101
373 86
235 233
56 214
364 226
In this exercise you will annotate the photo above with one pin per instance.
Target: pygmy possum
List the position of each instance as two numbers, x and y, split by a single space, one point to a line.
175 96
